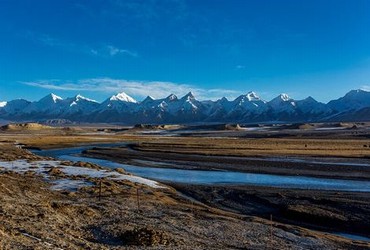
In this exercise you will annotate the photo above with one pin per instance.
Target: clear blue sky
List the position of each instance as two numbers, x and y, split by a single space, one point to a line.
212 47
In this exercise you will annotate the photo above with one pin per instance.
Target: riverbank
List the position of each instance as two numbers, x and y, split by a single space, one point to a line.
328 211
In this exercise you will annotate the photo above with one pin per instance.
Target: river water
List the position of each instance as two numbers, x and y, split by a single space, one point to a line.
213 177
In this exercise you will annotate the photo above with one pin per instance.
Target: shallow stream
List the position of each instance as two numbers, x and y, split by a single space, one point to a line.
213 177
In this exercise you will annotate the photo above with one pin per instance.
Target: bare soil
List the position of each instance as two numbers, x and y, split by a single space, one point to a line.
321 210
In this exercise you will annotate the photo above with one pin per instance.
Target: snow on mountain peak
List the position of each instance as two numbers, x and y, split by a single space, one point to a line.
249 97
122 97
284 97
283 103
190 94
171 97
246 107
252 96
148 99
50 98
55 98
80 97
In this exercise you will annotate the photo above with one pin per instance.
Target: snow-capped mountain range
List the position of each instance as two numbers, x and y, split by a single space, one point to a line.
248 108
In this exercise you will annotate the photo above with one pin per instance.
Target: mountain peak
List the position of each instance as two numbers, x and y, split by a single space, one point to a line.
357 92
123 97
54 98
189 95
283 103
353 100
246 107
148 99
361 90
252 96
249 97
171 97
284 97
310 99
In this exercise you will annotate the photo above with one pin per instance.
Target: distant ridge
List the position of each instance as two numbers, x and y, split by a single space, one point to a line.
247 108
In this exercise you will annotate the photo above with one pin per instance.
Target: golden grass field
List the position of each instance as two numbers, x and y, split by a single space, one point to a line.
202 145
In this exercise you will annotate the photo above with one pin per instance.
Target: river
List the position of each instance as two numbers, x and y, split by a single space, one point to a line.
212 177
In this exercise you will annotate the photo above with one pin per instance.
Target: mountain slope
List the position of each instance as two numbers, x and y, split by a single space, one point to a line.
353 100
121 108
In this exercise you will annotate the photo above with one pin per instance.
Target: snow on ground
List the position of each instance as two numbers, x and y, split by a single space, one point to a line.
68 184
65 183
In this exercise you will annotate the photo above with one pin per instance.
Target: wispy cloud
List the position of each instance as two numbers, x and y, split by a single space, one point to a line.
156 89
239 67
365 87
116 51
102 50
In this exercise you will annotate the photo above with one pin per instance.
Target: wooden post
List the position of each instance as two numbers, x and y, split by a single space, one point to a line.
271 231
138 199
100 184
192 207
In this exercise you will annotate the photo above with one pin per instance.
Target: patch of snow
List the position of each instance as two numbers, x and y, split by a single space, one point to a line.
171 97
80 97
252 96
3 104
55 97
283 103
113 175
42 168
70 185
285 97
122 97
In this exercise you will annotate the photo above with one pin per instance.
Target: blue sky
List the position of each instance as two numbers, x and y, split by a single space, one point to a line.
214 48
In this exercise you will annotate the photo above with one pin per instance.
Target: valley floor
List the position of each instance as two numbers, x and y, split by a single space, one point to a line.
119 214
